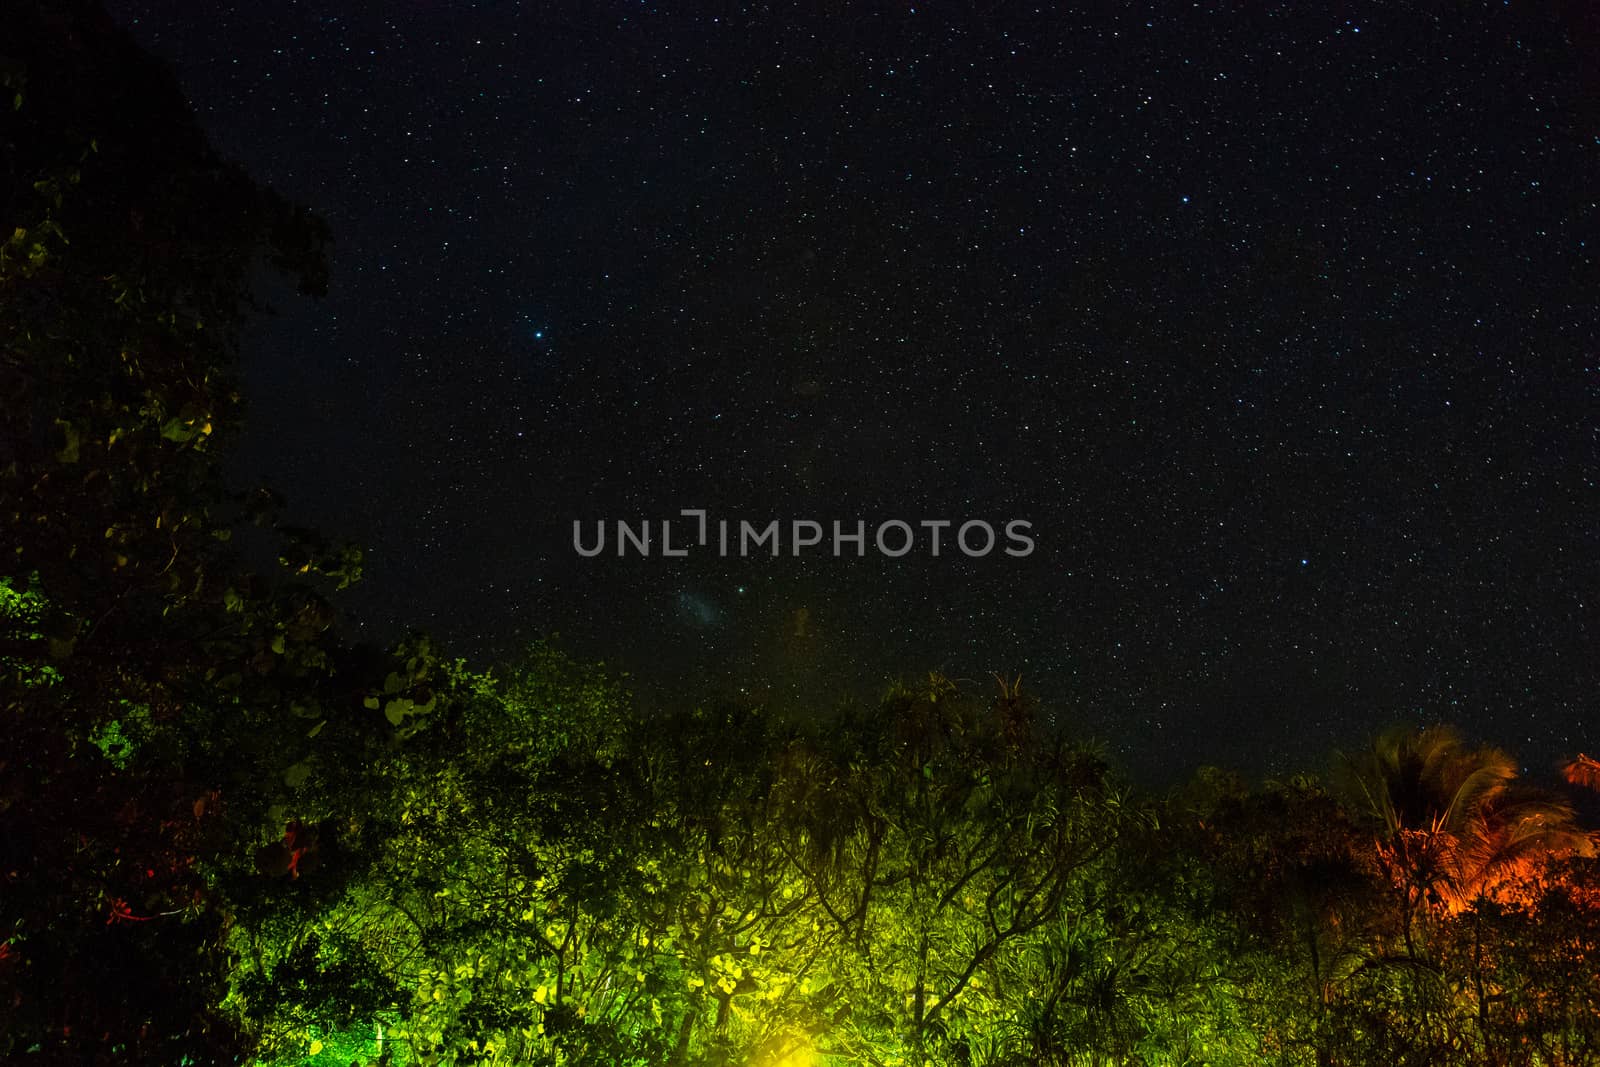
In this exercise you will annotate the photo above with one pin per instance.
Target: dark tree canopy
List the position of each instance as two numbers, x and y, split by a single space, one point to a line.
127 628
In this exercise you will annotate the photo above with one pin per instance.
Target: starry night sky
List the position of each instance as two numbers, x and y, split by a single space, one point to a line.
1279 324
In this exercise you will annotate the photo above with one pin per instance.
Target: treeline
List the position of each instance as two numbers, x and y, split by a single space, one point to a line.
540 878
228 835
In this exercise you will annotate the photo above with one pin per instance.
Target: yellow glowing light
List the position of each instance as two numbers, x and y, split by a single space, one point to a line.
795 1052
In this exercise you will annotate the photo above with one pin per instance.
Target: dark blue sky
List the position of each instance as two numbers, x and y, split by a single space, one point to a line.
1279 326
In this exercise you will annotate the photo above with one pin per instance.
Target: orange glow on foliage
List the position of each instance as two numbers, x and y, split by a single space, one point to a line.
1584 771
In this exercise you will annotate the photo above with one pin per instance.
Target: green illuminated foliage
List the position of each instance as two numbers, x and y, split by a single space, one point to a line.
24 645
548 879
118 739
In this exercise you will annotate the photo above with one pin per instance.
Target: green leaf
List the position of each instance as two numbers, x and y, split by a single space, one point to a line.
297 775
178 429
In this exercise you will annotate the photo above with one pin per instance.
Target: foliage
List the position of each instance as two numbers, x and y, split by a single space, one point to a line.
697 889
227 835
1454 825
146 681
930 881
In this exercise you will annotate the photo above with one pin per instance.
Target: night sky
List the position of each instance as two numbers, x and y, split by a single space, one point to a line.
1279 325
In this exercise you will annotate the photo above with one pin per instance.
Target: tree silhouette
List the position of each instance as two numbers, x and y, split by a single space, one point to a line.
145 683
1454 824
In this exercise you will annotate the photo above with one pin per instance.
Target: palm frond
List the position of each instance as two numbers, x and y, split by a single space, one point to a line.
1584 771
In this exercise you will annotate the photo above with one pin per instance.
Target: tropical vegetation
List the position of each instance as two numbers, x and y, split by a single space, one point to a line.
229 834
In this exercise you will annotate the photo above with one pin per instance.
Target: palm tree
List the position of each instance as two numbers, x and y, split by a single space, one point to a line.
1455 826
